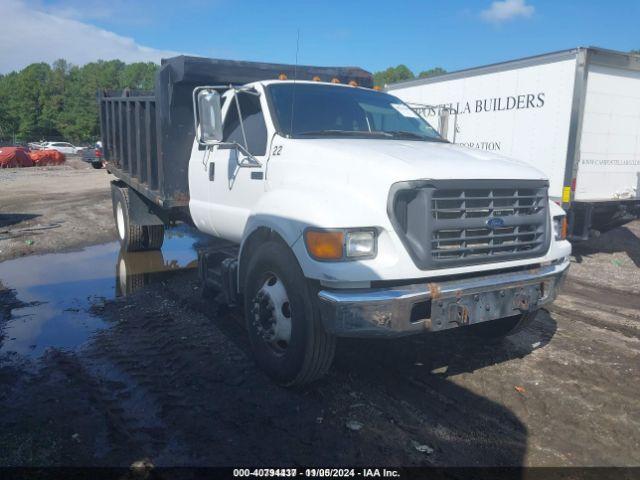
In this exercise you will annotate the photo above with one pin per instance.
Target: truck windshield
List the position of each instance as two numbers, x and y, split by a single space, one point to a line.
307 110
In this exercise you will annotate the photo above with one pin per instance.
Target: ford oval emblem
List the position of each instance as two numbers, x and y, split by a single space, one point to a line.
495 222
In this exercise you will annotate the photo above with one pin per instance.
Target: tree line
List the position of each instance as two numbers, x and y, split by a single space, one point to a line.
58 101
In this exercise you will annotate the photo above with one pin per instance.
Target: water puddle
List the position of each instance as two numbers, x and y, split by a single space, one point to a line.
53 292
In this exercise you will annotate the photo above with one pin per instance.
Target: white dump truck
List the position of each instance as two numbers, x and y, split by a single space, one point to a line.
345 213
574 114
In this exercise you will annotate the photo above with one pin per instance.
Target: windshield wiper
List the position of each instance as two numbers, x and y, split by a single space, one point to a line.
417 136
346 133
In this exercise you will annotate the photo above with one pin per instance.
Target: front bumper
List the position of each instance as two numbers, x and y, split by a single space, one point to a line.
409 309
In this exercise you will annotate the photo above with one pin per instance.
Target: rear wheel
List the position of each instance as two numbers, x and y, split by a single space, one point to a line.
503 327
287 337
133 237
96 165
155 236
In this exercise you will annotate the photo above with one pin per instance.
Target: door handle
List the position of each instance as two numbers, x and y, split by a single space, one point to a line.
212 171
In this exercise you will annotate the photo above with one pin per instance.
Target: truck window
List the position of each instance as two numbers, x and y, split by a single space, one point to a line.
341 111
254 124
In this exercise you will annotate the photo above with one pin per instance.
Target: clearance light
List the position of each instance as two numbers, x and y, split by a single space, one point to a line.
335 80
377 88
282 76
316 78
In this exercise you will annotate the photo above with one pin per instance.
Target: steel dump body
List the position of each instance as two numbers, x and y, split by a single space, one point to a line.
147 137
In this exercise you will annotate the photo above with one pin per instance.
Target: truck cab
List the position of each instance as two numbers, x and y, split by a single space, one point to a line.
370 217
349 214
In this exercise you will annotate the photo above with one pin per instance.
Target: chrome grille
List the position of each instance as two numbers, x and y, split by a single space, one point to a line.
464 222
461 220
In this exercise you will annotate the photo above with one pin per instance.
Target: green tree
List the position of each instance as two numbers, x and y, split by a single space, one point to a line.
27 100
432 72
392 75
139 76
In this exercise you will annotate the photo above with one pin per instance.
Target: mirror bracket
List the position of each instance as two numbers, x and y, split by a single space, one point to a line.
248 162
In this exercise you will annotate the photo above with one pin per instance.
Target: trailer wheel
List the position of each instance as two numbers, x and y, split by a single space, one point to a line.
287 337
503 327
133 237
155 236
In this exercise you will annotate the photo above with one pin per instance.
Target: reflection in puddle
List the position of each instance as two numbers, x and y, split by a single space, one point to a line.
55 291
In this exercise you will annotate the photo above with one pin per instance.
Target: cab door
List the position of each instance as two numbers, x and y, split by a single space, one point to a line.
234 189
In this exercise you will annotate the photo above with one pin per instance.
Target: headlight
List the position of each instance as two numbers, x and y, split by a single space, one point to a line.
341 244
560 227
361 243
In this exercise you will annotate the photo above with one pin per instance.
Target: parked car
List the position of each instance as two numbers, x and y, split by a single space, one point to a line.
63 147
345 212
93 156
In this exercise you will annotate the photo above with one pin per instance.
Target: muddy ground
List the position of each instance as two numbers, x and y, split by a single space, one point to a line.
49 209
109 358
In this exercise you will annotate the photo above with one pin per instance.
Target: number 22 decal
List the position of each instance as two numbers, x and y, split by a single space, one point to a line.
277 150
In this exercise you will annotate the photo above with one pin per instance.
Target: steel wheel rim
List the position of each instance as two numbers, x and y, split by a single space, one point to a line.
271 314
120 220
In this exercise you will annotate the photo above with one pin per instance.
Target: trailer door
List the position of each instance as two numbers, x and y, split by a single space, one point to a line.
609 162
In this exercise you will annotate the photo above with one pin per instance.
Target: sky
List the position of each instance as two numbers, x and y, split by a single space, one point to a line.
375 34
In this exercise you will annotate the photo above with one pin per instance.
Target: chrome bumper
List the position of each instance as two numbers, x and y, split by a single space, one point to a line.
434 306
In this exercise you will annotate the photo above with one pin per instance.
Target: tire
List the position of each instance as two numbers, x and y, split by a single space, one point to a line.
133 237
96 165
503 327
307 353
155 236
137 269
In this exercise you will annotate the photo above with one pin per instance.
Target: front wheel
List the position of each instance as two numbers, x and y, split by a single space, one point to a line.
287 337
503 327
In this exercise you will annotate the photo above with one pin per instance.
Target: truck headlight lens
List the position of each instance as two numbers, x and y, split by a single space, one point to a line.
361 243
337 244
560 227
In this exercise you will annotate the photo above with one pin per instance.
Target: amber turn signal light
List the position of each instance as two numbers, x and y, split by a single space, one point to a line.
560 227
324 245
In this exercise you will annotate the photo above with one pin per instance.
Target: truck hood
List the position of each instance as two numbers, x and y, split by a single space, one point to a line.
412 160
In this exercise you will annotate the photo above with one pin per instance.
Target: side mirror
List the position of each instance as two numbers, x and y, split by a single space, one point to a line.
207 116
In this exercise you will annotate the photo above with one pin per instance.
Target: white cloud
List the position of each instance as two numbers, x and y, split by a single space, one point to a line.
31 35
505 10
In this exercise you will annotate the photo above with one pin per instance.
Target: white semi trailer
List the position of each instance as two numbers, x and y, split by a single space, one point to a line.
574 114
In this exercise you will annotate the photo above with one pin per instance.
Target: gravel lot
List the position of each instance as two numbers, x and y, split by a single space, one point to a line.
99 367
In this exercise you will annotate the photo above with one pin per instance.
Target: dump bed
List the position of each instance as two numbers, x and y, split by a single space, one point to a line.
147 136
